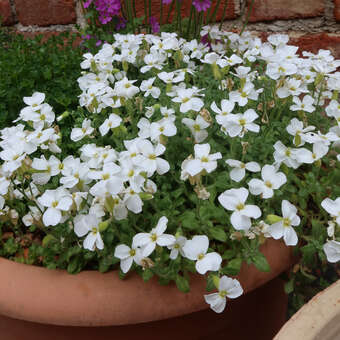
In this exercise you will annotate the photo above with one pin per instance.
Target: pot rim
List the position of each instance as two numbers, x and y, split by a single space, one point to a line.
91 298
315 319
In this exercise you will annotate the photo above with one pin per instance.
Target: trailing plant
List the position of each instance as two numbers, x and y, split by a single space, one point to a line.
181 157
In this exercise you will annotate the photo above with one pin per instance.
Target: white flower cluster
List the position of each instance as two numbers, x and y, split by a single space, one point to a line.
104 184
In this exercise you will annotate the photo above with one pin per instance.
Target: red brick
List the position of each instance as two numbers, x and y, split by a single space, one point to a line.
45 12
6 13
267 10
185 9
46 36
337 10
315 42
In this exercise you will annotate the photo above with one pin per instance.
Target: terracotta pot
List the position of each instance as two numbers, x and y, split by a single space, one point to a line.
317 320
90 298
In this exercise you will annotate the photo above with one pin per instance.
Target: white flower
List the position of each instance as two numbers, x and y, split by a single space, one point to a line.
234 200
125 88
296 129
197 128
332 207
227 287
85 130
203 160
239 169
286 155
227 107
112 122
148 241
305 105
151 163
127 255
51 168
89 224
56 201
147 87
271 179
243 94
239 124
283 228
165 127
332 251
188 101
305 156
196 250
177 247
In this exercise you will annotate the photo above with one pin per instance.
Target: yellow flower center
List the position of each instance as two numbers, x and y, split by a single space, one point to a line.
286 222
240 206
153 237
222 293
268 184
242 121
200 256
105 177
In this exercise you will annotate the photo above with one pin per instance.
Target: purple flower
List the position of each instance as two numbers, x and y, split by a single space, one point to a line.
121 23
201 5
98 43
87 3
167 2
154 25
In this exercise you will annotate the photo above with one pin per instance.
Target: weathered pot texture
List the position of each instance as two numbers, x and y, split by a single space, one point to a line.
91 298
317 320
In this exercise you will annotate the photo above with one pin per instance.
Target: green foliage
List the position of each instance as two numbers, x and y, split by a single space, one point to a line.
29 65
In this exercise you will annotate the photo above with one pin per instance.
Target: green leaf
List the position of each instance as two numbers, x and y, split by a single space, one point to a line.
289 286
261 262
147 274
218 234
233 267
189 220
48 239
182 284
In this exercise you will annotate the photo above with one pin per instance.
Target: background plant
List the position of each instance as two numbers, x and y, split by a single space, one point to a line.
31 64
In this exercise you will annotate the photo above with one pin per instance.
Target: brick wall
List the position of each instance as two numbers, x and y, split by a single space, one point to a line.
312 24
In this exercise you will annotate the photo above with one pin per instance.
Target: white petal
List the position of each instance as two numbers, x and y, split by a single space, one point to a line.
216 302
166 240
237 174
51 216
276 230
240 222
125 264
89 241
122 251
290 236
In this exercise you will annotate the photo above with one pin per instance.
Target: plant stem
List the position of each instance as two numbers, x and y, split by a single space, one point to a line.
149 16
161 14
170 10
179 17
248 15
134 8
200 19
146 12
190 18
213 16
224 13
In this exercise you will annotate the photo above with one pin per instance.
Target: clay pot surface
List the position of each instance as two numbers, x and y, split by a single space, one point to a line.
91 298
316 320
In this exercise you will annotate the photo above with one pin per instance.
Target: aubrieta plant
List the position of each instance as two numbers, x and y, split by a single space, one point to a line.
181 158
